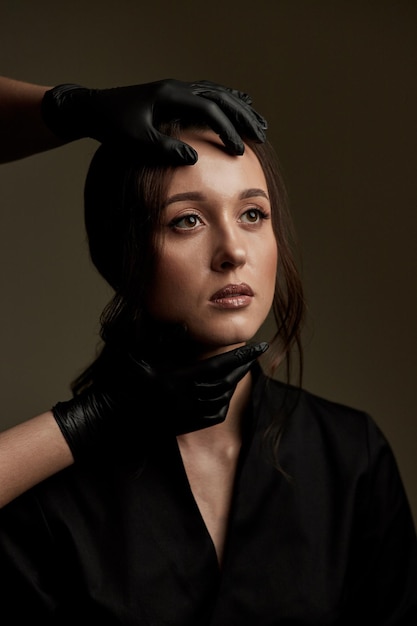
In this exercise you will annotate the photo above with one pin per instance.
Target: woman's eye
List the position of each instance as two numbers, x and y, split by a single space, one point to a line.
186 222
252 216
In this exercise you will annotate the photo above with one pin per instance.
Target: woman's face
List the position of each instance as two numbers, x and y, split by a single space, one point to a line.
217 262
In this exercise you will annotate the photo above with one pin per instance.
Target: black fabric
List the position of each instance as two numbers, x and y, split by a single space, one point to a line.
124 543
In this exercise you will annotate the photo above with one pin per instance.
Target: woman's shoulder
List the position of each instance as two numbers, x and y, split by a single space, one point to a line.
318 430
276 388
313 412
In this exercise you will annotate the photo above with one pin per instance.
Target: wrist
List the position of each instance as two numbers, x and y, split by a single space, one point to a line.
61 112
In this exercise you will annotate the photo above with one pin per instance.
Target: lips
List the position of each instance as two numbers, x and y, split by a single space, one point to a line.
232 291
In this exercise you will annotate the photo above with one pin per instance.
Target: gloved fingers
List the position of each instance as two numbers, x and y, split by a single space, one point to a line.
213 380
216 393
229 116
172 151
193 107
208 85
212 395
237 105
231 119
244 120
222 365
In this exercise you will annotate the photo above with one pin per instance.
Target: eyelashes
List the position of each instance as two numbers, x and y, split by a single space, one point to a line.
186 222
254 215
192 220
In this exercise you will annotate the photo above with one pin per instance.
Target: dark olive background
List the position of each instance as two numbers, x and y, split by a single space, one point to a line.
336 81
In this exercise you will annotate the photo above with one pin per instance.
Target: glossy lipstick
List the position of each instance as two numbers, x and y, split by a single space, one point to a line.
233 296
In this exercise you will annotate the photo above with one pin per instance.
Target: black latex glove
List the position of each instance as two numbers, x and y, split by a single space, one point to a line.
197 396
177 401
130 115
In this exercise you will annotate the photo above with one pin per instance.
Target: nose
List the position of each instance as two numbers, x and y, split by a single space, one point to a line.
229 250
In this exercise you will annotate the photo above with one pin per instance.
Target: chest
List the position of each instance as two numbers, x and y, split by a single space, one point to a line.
208 542
211 478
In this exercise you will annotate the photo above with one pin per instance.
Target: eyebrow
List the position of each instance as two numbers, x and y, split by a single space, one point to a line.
252 193
199 197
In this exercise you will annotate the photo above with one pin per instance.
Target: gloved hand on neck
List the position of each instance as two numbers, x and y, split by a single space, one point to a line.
130 395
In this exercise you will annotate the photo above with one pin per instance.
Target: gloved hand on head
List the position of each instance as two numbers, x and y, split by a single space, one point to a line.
130 115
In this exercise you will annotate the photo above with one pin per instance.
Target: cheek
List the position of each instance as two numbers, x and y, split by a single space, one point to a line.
170 286
272 258
269 274
166 280
269 263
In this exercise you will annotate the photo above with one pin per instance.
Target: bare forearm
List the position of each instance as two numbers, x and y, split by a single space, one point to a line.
29 453
22 131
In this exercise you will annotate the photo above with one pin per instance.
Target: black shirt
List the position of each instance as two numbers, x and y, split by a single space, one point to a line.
329 540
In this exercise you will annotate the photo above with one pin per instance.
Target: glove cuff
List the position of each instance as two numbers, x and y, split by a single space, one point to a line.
84 422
